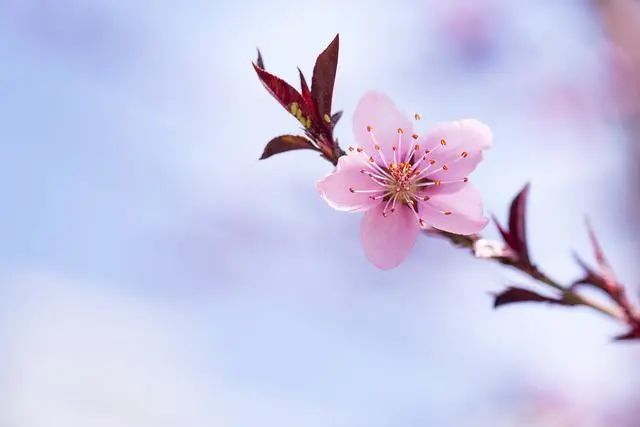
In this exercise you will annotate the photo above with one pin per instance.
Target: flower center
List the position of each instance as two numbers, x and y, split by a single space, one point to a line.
402 181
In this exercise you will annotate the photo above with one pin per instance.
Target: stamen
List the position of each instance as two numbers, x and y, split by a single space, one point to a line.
414 148
376 146
417 116
415 136
369 128
400 132
437 210
384 211
438 183
443 142
464 155
410 203
351 189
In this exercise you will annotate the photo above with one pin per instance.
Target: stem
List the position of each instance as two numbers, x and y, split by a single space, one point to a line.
568 296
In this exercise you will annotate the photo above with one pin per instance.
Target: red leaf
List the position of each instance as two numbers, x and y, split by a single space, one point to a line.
516 236
335 117
324 76
284 143
259 61
306 93
605 268
517 295
279 89
633 334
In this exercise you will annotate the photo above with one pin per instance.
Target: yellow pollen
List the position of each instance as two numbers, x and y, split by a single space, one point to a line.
327 118
294 108
393 148
432 162
308 124
426 198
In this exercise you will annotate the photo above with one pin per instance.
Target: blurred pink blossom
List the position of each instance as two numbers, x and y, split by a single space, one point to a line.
404 181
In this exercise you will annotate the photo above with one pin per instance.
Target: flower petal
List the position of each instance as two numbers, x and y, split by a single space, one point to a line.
388 240
468 136
335 187
465 206
378 111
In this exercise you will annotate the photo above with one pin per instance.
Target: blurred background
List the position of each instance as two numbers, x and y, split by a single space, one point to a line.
154 273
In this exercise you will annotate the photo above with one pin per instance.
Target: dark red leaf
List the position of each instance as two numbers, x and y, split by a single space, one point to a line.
324 76
306 93
633 334
284 143
516 235
516 295
605 268
603 278
279 89
259 61
591 277
335 117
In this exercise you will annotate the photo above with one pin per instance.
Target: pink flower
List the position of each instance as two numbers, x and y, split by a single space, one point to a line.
403 181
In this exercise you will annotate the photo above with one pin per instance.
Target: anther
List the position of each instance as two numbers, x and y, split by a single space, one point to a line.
415 136
447 212
350 148
359 150
417 116
400 130
352 190
421 222
464 155
377 147
327 118
417 147
443 142
371 159
438 182
294 108
445 167
369 128
465 180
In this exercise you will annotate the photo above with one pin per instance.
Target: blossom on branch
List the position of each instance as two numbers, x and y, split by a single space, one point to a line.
404 181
